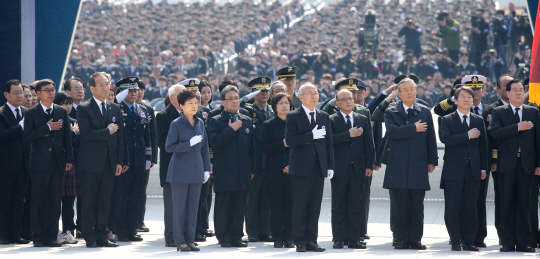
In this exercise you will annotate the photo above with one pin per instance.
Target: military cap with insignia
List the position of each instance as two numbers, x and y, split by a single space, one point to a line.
404 76
191 84
287 72
351 84
473 81
128 83
260 83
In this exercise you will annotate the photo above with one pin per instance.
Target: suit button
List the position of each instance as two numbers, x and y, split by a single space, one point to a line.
50 149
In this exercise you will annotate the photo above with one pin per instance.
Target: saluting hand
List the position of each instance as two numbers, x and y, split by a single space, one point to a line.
493 167
235 125
421 126
54 125
75 128
537 171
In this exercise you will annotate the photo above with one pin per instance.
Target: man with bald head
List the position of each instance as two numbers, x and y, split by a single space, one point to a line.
308 132
164 119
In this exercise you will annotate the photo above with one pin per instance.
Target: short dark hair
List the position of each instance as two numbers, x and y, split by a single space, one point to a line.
62 98
44 82
226 83
8 84
67 84
92 79
32 87
463 88
499 80
25 86
186 95
278 97
514 81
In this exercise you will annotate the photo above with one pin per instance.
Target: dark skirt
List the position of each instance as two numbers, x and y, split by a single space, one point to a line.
72 183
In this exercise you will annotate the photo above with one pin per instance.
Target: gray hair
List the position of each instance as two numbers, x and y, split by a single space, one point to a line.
276 83
172 89
227 89
406 80
308 84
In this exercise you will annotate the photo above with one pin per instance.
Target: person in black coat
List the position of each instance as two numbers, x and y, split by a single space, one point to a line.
233 144
47 129
13 172
465 166
278 186
354 154
410 153
309 134
517 129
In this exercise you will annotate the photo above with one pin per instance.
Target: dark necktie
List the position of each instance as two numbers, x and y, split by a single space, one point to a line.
349 121
409 114
133 109
48 111
516 115
477 110
19 118
313 124
465 121
103 110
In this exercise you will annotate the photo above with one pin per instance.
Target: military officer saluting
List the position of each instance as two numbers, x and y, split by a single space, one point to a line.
287 75
131 183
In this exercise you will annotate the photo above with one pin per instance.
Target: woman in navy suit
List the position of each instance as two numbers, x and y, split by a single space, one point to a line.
188 170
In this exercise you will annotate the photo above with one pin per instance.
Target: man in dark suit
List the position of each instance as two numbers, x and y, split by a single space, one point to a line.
309 134
466 159
13 172
219 109
74 87
231 136
410 153
101 158
354 154
47 130
84 70
164 119
110 68
517 128
133 69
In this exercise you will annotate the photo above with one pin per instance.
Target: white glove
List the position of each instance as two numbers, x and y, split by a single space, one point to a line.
122 95
206 176
330 174
318 133
148 164
251 95
22 123
195 140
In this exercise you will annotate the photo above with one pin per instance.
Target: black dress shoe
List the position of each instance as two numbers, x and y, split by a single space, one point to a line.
357 245
417 246
366 236
4 241
170 245
21 241
208 233
200 238
183 249
480 244
112 240
301 248
238 244
394 242
143 228
507 249
278 244
456 246
105 243
401 245
314 247
337 244
266 238
38 244
226 245
253 239
91 243
133 238
468 246
526 249
288 244
53 244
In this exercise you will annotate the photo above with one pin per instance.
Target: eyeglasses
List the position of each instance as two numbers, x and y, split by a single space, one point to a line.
279 91
48 91
346 99
233 99
312 94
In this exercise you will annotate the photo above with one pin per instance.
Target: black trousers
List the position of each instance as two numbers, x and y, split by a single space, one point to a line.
96 192
142 202
203 207
26 231
408 206
112 207
307 192
366 195
497 192
533 212
46 203
258 209
460 207
12 193
515 188
68 213
481 210
347 206
128 197
229 216
279 194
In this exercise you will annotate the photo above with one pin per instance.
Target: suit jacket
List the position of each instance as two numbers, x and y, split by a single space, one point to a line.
459 150
96 141
43 142
164 118
114 70
13 149
304 148
407 152
84 74
127 71
258 117
153 132
188 163
219 110
504 128
136 134
234 153
359 150
273 133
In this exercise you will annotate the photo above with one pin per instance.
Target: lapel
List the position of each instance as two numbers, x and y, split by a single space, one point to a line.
9 114
319 119
525 114
510 113
109 112
342 121
56 114
401 111
172 112
94 106
304 117
460 123
357 119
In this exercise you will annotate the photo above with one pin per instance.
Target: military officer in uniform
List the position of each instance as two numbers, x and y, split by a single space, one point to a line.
131 183
287 75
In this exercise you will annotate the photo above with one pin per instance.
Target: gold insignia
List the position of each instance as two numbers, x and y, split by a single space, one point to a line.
351 81
132 79
475 80
263 80
192 83
290 69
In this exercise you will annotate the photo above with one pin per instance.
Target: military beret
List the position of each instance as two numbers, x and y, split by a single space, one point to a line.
129 83
398 79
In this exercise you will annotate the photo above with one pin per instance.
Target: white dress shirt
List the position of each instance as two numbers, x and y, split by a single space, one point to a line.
99 104
480 108
350 117
520 112
13 110
405 107
309 115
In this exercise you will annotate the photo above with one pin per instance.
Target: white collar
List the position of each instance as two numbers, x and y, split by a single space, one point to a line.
505 103
514 107
480 106
75 106
461 114
345 115
308 110
99 102
45 107
405 107
13 107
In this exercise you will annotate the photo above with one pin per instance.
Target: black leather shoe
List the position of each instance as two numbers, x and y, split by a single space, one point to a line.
468 246
253 239
401 245
38 244
143 228
301 248
238 244
338 244
91 243
129 238
226 245
53 244
288 244
4 241
456 246
394 242
278 244
312 246
480 244
105 243
266 238
366 236
208 233
526 249
200 238
170 245
21 241
417 246
357 245
183 249
507 249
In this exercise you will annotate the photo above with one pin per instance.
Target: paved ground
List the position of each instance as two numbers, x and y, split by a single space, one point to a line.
435 234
